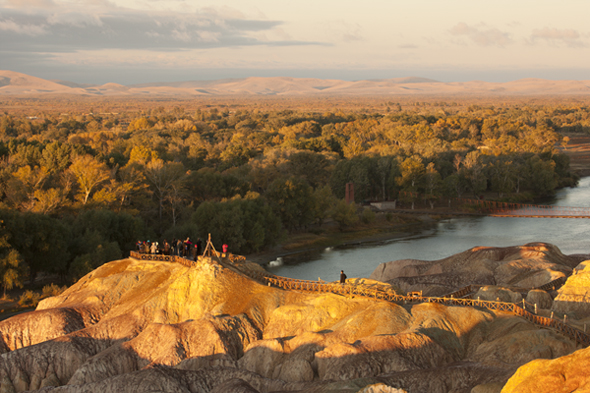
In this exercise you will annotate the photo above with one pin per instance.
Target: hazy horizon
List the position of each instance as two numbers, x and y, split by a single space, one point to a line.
131 77
134 41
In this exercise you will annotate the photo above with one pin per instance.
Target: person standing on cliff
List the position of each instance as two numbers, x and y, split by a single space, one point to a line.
342 277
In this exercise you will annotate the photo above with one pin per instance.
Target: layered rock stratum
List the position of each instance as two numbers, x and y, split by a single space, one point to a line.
135 325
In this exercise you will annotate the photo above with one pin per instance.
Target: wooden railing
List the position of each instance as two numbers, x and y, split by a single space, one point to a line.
553 285
457 298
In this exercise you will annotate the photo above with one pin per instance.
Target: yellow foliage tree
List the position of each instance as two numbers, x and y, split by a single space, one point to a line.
90 173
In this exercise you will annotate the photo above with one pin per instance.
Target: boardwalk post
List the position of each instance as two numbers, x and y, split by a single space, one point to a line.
564 318
551 314
523 305
535 308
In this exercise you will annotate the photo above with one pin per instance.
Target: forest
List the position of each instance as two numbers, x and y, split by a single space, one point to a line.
79 189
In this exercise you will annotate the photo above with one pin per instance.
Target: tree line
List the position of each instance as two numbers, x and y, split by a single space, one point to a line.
79 190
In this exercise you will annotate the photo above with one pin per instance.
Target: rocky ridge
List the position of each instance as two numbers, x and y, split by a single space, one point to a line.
132 324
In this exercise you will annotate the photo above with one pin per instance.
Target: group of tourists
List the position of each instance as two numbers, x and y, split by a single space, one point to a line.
182 248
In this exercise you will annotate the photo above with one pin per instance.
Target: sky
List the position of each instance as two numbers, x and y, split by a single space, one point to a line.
144 41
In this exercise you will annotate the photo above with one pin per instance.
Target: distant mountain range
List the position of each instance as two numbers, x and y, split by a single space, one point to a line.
18 84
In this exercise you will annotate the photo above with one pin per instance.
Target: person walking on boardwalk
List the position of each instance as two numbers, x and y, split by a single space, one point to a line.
342 277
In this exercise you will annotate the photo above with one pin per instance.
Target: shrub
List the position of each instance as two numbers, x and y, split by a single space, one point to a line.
368 215
29 299
51 290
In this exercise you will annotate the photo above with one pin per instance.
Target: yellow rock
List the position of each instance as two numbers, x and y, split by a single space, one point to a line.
566 374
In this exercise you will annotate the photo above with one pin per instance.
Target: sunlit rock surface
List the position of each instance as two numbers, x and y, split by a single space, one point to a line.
566 374
158 326
569 373
527 266
574 297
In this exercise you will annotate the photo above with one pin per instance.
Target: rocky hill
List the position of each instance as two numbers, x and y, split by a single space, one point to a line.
527 266
158 326
18 84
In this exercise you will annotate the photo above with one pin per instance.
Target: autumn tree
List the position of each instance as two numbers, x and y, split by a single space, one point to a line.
164 178
412 176
90 173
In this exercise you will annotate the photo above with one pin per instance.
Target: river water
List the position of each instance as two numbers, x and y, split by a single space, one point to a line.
451 236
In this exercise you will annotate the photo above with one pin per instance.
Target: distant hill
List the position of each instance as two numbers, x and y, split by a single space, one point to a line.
18 84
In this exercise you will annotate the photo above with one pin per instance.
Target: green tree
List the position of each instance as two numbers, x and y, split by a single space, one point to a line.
542 178
474 173
292 200
432 184
344 214
94 252
41 240
502 175
323 202
122 228
12 269
245 224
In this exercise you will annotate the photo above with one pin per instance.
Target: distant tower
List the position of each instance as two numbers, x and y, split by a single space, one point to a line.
349 196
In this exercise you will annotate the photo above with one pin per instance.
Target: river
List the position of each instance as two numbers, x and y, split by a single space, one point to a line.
451 236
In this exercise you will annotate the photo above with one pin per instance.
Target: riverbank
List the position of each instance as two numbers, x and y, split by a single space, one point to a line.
386 227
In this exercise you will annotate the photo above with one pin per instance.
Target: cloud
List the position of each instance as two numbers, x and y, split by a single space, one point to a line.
31 3
31 30
569 37
482 36
99 25
75 19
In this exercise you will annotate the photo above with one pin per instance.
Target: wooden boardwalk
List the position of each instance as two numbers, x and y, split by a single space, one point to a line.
461 297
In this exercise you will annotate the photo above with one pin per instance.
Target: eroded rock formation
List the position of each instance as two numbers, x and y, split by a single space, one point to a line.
566 373
159 326
527 266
